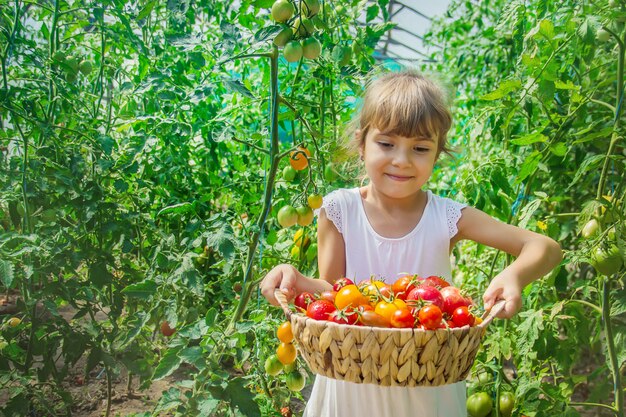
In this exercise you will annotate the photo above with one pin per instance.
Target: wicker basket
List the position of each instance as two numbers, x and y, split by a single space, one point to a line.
387 356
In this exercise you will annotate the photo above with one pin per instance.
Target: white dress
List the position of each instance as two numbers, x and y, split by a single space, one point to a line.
425 251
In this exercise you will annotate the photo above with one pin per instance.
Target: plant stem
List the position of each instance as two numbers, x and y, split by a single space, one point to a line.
610 344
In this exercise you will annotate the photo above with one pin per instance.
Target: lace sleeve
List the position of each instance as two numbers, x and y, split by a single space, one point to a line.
453 214
333 210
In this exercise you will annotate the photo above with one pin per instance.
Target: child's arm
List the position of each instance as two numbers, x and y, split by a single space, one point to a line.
536 256
331 260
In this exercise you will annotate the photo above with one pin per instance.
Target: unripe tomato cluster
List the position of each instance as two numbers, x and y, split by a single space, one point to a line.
480 404
302 247
285 359
412 301
72 66
605 235
299 20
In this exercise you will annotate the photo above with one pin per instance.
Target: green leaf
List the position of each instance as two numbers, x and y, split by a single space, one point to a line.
99 275
242 398
6 274
372 12
530 138
180 208
208 406
237 86
559 149
168 364
169 400
142 290
505 87
529 166
145 12
591 162
527 212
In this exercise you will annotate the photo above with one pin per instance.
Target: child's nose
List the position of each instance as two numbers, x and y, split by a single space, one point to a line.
401 158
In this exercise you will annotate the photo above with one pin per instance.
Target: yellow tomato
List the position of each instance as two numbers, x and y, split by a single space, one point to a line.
286 353
284 332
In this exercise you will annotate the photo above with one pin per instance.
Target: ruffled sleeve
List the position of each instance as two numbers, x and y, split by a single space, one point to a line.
453 214
331 204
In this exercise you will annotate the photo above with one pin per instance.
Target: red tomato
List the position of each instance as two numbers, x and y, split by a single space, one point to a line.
462 317
371 318
452 299
403 286
342 282
350 296
345 316
436 281
303 300
320 309
402 318
427 293
430 316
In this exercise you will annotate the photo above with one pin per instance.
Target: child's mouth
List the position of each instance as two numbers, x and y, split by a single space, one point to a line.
398 177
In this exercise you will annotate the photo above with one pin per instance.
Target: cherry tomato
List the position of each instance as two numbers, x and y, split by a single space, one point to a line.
430 316
303 300
402 318
342 282
479 404
286 353
284 332
371 318
328 295
386 308
350 296
506 403
273 366
426 293
345 316
436 281
452 299
320 309
403 286
461 316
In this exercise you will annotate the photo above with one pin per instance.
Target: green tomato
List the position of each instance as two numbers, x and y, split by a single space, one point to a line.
295 380
341 55
293 51
305 215
590 229
282 10
283 37
59 57
311 48
85 67
291 367
479 404
71 64
287 216
602 35
304 27
607 261
311 7
329 173
289 174
311 252
273 366
506 403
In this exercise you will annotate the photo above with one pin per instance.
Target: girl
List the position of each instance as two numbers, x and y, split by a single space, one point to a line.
391 225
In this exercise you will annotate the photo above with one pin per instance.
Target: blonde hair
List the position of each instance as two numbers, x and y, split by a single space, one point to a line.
405 103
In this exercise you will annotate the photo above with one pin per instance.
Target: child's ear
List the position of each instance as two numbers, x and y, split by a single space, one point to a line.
358 137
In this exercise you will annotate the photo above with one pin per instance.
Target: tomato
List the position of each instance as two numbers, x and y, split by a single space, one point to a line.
166 330
329 295
311 7
603 35
295 380
386 308
293 53
590 229
342 282
452 299
304 27
14 322
282 38
320 309
85 67
371 318
303 300
289 174
311 252
287 216
286 353
479 404
349 295
284 332
315 201
426 293
506 403
282 10
273 366
436 281
402 318
404 285
329 173
305 215
347 315
371 289
299 159
461 316
300 239
430 316
607 261
311 48
286 412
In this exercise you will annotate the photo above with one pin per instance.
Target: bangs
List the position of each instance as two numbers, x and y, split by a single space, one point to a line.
406 105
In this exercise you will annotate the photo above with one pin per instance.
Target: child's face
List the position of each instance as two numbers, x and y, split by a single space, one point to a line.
398 166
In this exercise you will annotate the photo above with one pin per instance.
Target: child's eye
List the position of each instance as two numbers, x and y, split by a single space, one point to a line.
420 149
385 144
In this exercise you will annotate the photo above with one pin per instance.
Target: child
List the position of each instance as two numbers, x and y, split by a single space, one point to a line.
391 225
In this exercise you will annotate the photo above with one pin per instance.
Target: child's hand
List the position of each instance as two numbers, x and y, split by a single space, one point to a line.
504 286
284 277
